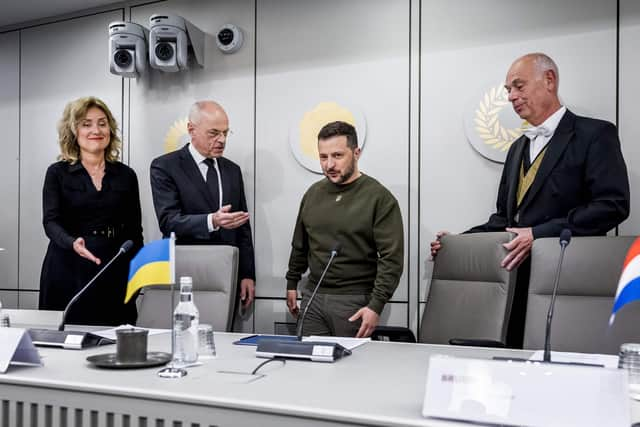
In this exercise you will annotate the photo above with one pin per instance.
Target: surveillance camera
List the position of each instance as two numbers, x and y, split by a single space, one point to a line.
229 38
169 39
127 49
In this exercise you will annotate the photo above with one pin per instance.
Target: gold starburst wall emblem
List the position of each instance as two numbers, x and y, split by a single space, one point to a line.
176 135
303 133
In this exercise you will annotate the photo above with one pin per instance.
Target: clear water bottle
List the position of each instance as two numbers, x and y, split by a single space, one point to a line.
185 325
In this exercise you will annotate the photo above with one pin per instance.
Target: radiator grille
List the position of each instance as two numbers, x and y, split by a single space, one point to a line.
30 414
52 406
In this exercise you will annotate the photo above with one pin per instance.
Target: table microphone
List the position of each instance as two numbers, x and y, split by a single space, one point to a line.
565 239
336 248
319 351
73 339
124 248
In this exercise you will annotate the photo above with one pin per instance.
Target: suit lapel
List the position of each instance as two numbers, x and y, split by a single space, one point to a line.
555 148
192 171
514 177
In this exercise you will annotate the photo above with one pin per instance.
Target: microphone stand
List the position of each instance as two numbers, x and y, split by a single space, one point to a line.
565 238
315 351
313 294
547 334
60 337
79 294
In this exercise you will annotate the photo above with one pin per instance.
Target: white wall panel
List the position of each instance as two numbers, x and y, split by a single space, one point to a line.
629 109
355 53
159 99
59 62
458 187
9 299
19 299
394 314
28 299
269 311
9 123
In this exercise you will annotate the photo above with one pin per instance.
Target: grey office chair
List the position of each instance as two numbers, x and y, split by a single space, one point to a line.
214 269
470 297
588 282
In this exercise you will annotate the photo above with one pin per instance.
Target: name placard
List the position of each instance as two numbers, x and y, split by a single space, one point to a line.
525 393
16 348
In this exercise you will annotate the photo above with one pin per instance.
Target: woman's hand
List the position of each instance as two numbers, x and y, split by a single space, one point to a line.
81 249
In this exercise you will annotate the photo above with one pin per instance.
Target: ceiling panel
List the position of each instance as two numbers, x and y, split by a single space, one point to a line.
15 12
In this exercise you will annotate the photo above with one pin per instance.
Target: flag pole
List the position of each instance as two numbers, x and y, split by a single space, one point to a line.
172 275
171 370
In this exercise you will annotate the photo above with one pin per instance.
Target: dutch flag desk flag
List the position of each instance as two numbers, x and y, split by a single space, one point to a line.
629 284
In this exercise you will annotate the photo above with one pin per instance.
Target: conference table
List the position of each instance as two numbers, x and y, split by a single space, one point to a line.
380 384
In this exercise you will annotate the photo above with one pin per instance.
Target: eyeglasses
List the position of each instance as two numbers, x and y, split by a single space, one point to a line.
215 133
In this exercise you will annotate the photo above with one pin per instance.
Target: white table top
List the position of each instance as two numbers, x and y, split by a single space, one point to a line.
380 384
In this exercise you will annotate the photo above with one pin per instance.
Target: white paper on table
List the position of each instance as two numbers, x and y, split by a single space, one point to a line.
16 348
608 360
346 342
111 333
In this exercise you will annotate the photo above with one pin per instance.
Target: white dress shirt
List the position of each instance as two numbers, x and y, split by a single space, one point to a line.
541 135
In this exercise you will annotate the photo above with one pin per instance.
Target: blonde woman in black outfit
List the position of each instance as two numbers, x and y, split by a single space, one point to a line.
91 205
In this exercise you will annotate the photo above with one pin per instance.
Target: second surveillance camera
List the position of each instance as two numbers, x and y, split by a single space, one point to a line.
170 37
127 49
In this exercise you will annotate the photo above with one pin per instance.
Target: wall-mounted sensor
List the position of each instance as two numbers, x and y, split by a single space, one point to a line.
229 38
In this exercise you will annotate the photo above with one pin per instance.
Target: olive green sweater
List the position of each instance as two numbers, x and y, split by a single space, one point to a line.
362 217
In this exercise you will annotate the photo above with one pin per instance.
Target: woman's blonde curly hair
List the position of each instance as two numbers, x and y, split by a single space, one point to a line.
73 114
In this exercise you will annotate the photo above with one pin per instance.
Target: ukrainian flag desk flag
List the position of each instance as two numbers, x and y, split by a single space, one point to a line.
154 264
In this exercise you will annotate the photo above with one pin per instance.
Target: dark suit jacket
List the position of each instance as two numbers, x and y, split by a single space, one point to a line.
582 183
182 203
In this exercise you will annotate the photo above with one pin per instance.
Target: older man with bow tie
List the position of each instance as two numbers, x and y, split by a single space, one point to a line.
565 171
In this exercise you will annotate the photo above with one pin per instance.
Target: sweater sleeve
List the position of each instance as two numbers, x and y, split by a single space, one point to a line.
389 238
298 260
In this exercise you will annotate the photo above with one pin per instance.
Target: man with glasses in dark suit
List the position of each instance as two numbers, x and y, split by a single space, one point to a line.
199 195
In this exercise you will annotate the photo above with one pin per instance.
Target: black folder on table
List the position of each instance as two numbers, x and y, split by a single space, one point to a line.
74 340
254 339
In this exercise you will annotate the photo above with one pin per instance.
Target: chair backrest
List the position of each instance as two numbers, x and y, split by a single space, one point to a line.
470 295
214 270
588 281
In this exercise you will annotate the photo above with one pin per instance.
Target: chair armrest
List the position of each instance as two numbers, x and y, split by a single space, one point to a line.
393 333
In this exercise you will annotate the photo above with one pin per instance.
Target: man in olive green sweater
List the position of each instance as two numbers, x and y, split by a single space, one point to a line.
357 213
